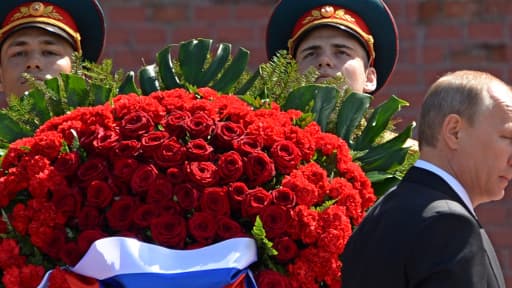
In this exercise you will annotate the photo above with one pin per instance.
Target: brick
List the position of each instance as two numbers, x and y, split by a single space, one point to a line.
184 33
253 13
237 34
171 14
457 9
118 36
213 13
404 76
150 35
429 11
120 14
444 32
492 214
434 54
500 236
486 31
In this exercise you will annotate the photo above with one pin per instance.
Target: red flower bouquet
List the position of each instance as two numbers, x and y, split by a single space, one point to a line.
182 171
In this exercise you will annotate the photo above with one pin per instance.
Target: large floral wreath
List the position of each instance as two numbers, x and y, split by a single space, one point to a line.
182 170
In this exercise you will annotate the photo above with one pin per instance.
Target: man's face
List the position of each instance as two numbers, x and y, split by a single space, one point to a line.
483 160
35 51
331 51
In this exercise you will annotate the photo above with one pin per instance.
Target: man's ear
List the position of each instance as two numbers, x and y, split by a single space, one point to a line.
450 131
371 80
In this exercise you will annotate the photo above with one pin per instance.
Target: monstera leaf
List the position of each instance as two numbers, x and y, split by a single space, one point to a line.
193 68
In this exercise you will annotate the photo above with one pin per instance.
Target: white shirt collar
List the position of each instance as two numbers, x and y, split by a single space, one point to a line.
454 183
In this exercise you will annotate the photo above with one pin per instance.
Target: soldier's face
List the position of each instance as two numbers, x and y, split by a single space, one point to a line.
331 51
35 51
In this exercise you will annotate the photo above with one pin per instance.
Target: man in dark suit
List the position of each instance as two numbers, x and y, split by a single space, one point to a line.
39 38
425 233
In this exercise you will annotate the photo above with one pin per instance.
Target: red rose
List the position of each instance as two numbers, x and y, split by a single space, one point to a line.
67 163
228 228
93 169
67 203
236 193
89 218
127 149
187 196
202 227
171 153
143 178
226 133
144 215
230 167
199 125
69 253
199 150
248 145
124 168
26 276
135 125
175 123
105 141
121 213
284 197
161 190
286 156
47 144
259 168
169 231
286 248
272 279
10 254
152 141
176 174
86 238
254 201
275 220
202 173
99 194
170 208
215 201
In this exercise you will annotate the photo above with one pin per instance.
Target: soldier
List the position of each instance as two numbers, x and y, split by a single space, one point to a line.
357 38
39 38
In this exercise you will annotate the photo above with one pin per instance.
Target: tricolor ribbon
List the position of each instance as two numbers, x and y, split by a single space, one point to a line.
129 263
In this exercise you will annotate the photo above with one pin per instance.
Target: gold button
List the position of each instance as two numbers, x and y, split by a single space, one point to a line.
36 9
327 11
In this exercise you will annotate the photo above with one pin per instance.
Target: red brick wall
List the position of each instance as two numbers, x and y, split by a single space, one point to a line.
436 36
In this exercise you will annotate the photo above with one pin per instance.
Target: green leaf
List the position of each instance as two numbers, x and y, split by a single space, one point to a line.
128 85
387 160
378 122
10 130
39 108
350 114
261 237
148 79
56 105
76 90
323 98
216 66
382 149
249 83
166 69
100 93
192 57
382 182
233 71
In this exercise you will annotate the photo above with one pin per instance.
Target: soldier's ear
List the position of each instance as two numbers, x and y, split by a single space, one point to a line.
371 80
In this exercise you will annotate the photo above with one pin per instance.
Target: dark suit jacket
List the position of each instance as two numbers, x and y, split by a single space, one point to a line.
420 235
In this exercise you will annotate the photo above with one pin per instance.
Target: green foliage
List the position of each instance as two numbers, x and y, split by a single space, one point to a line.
265 249
194 68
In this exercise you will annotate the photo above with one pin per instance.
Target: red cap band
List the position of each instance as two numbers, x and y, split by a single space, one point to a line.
329 14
